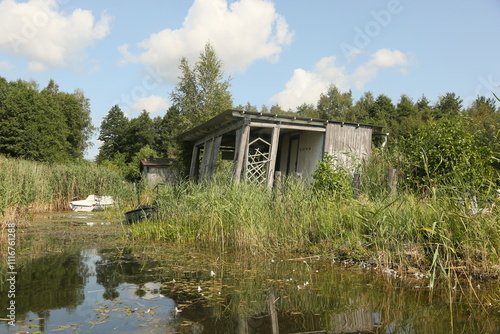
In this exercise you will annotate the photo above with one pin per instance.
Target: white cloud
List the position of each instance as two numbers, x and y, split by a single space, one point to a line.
37 30
241 33
151 104
306 86
36 66
5 65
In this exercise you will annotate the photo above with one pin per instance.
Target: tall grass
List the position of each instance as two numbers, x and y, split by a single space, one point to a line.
435 233
38 187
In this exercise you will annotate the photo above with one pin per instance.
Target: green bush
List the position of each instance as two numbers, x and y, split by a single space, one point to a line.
443 153
331 179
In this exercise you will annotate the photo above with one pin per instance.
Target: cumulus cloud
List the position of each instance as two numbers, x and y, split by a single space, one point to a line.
37 30
151 104
306 86
241 33
5 65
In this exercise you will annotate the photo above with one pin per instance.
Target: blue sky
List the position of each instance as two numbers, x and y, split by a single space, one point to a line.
283 51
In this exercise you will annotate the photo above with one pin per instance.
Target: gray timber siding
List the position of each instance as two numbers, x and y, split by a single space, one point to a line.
350 144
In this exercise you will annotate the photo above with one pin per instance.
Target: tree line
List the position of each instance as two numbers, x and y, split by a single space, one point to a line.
50 125
203 92
43 124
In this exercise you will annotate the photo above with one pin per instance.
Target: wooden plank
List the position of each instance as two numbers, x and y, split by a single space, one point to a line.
240 154
195 163
228 128
275 136
356 185
287 126
346 141
214 155
392 181
207 151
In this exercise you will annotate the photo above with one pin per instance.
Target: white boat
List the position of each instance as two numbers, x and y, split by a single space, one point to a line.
92 203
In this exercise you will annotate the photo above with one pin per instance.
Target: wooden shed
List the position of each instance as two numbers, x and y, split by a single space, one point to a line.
260 144
158 170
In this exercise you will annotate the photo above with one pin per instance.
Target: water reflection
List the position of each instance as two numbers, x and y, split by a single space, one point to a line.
152 289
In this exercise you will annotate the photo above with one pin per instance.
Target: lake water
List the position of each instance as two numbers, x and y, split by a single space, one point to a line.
79 274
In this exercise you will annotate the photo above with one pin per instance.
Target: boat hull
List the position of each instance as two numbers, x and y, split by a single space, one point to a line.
92 203
139 214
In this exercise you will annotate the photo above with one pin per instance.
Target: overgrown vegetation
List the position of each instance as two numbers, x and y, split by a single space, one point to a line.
38 187
433 233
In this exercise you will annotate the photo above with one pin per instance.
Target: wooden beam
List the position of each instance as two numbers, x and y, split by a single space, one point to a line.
273 153
214 155
195 164
241 148
207 151
287 126
228 128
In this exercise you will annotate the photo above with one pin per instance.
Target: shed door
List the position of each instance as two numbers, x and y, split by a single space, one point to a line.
293 154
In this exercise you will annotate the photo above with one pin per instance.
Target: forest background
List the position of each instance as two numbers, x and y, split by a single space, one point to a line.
432 139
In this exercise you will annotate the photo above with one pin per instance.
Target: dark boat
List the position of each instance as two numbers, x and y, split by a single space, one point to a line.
145 212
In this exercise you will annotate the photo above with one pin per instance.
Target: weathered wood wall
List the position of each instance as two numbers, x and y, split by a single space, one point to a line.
350 144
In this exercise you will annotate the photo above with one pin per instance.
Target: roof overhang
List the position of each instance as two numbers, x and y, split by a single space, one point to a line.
259 119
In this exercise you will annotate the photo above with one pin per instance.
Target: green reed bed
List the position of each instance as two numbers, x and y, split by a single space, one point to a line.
38 187
437 234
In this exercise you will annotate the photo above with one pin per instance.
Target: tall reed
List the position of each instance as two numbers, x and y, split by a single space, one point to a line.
27 185
433 233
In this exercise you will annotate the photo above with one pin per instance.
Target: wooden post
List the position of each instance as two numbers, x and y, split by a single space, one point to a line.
272 156
392 180
356 184
242 136
214 155
195 163
273 313
277 180
205 161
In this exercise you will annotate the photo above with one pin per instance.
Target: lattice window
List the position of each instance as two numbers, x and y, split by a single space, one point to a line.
258 161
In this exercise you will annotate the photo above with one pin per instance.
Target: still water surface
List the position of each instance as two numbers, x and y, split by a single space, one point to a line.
77 274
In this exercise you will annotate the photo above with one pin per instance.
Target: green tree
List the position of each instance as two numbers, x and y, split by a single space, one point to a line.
201 94
334 105
362 107
382 112
31 125
185 99
46 125
276 109
75 109
407 117
213 90
449 104
140 133
424 109
485 124
133 168
247 107
202 91
112 134
308 110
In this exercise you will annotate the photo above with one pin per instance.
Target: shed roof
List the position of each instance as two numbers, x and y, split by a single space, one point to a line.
158 162
232 115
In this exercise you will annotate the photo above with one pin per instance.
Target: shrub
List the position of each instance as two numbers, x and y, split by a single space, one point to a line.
444 153
331 179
